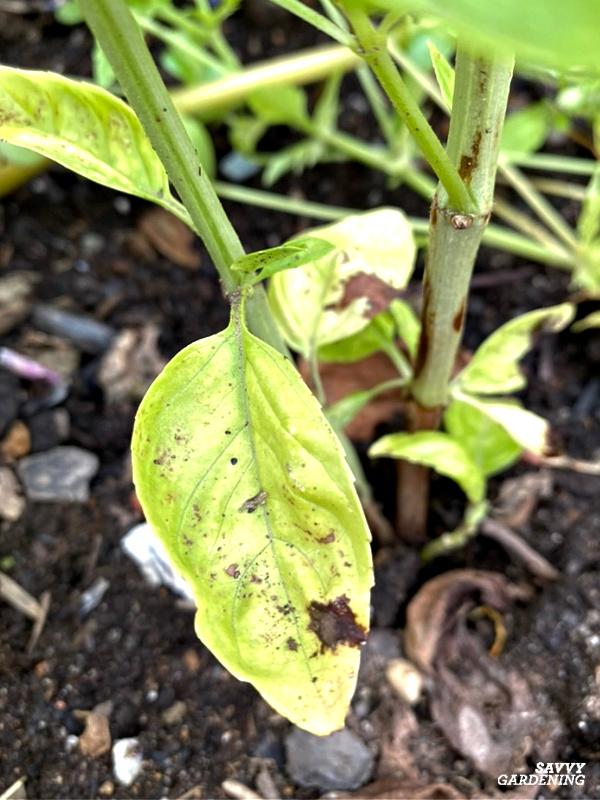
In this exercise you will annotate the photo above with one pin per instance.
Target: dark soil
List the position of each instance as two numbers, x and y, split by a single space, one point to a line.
137 648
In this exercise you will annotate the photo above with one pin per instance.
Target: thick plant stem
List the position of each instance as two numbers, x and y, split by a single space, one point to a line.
478 113
121 39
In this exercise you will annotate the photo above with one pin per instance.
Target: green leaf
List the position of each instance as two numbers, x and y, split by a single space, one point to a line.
295 158
407 325
9 154
494 369
549 32
444 74
266 263
489 445
84 128
242 477
279 105
525 131
591 321
438 451
310 304
530 431
203 144
588 224
374 337
343 412
103 72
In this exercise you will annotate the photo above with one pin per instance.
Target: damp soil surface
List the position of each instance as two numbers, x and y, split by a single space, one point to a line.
196 726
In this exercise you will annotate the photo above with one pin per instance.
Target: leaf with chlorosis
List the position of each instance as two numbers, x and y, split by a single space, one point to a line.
491 447
84 128
440 452
245 482
530 431
266 263
336 296
494 368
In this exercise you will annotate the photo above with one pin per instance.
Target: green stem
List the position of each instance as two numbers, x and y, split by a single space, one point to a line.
479 108
551 163
121 39
373 48
302 68
538 203
315 19
494 235
179 42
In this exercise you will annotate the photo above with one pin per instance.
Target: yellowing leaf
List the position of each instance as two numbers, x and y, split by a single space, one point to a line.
439 451
528 430
494 369
310 304
247 485
265 263
488 443
591 321
84 128
444 73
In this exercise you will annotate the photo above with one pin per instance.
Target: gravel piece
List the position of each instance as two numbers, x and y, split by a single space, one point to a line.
61 474
338 761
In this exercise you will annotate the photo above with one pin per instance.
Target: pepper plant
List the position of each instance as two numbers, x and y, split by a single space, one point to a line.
237 467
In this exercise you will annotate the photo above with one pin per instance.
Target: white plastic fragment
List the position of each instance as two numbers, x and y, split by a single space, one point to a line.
127 760
144 547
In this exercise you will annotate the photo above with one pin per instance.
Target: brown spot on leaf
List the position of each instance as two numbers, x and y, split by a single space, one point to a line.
378 293
252 503
327 539
335 623
292 644
233 571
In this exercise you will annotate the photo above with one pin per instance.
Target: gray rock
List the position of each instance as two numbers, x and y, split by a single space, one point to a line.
338 761
86 333
9 399
60 474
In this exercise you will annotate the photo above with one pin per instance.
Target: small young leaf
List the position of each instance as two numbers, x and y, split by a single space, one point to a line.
378 333
494 369
281 105
318 303
266 263
444 74
407 324
343 412
525 130
242 477
84 128
488 443
530 431
438 451
591 321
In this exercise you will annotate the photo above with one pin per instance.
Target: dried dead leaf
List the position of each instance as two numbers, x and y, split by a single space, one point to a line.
378 293
168 236
441 606
340 380
486 711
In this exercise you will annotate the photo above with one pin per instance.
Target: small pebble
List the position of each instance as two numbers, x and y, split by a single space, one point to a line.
49 428
405 679
107 789
175 714
86 333
338 761
62 474
17 442
127 760
12 502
